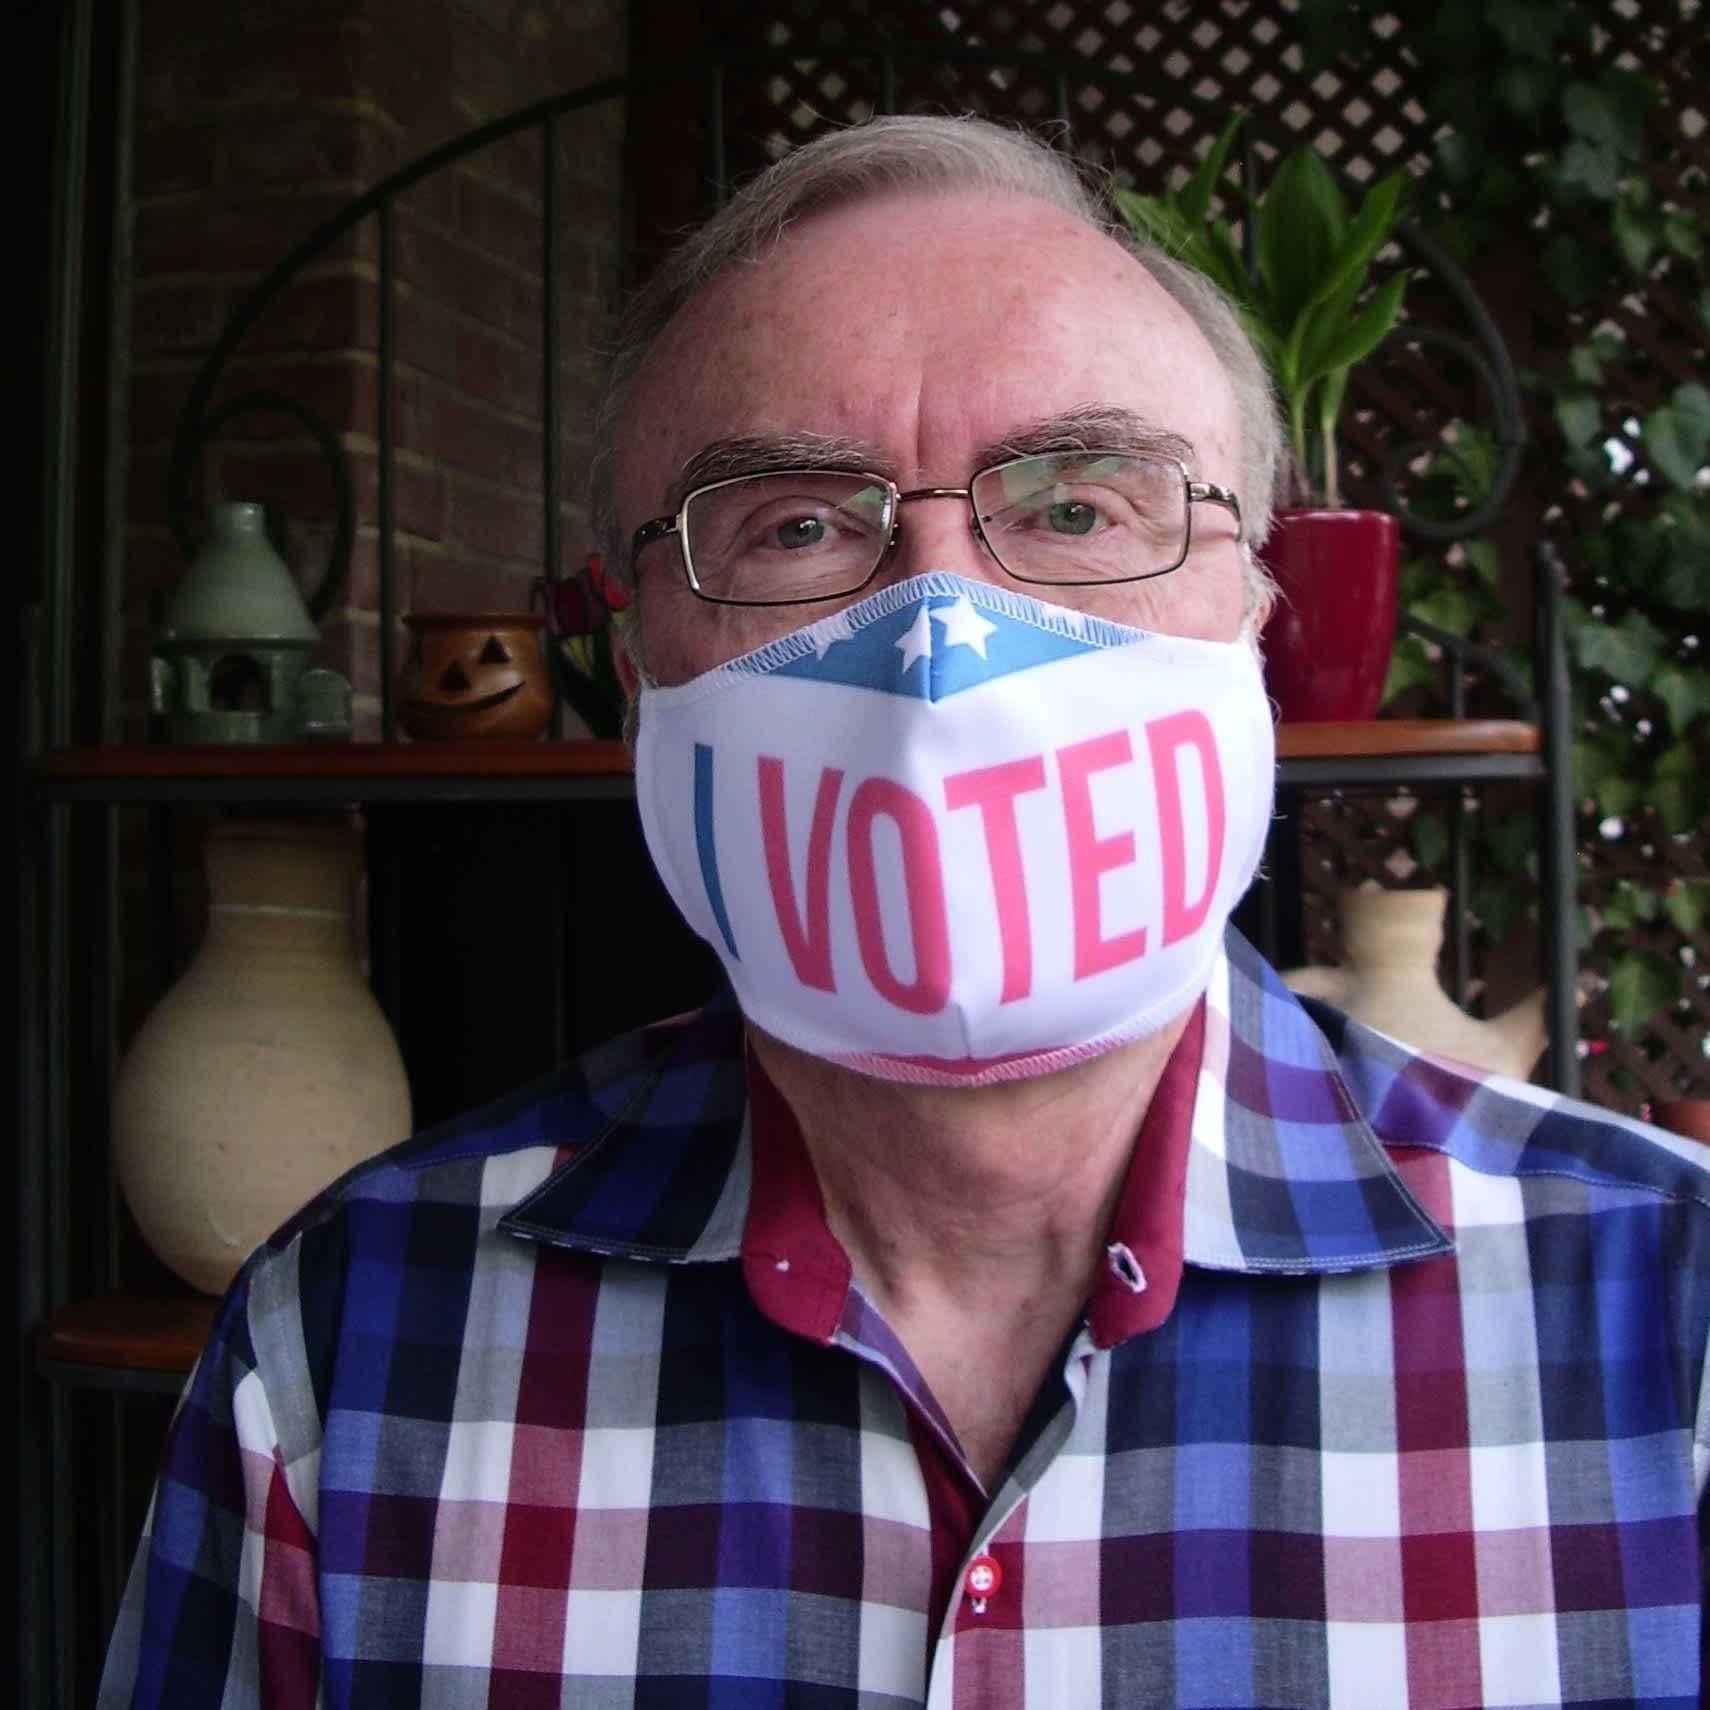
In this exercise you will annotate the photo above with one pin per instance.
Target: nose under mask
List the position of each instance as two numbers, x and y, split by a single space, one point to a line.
953 834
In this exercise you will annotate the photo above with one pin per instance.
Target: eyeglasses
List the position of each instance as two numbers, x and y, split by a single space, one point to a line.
1066 519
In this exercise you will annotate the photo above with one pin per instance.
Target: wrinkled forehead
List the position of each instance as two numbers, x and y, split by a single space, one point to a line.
916 317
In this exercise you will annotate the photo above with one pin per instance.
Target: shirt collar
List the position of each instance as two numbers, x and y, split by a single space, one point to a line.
1283 1175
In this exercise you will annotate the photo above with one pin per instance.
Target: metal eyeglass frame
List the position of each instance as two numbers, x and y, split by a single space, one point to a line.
1198 492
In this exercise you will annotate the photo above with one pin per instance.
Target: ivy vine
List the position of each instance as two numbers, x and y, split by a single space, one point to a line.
1544 133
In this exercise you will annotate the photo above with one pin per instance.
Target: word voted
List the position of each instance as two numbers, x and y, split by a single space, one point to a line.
804 912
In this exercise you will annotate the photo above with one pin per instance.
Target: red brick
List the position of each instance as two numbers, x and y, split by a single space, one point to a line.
145 489
495 523
290 475
476 441
176 157
497 372
182 316
446 272
327 313
341 388
240 235
296 148
451 582
154 402
424 335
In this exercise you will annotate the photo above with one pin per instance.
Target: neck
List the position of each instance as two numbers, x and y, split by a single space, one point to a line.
1011 1186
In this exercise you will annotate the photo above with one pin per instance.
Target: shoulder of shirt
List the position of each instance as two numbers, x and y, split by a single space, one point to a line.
683 1069
1499 1127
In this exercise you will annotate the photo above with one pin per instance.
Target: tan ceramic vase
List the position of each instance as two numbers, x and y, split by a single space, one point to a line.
1388 981
268 1069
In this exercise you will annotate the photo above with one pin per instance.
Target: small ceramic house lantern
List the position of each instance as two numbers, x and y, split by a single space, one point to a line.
231 659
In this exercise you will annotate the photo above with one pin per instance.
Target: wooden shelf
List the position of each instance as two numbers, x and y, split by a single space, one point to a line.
89 1341
336 771
1382 751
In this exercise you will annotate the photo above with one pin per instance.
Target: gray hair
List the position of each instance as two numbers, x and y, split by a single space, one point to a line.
927 153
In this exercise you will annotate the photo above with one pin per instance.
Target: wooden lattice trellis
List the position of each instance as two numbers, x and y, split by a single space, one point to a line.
1188 63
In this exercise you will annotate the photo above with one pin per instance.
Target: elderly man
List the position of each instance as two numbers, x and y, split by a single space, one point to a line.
1013 1296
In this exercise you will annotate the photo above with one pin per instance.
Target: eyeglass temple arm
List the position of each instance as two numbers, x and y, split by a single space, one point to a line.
1209 492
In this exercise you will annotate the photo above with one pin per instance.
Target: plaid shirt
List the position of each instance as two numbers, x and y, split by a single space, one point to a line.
499 1421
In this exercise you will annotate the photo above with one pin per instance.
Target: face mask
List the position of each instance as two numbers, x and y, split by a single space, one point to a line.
956 835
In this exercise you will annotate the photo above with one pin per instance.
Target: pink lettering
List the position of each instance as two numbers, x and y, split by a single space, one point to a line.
923 878
1165 738
993 789
807 939
1092 856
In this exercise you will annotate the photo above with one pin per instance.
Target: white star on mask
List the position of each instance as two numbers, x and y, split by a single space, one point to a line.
916 641
964 627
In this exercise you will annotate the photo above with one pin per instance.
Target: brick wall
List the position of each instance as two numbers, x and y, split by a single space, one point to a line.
254 123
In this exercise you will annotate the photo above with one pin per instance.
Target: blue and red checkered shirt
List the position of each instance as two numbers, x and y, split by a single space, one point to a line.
528 1412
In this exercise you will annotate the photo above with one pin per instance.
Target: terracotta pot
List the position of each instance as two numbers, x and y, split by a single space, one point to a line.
268 1069
1329 640
475 674
1687 1116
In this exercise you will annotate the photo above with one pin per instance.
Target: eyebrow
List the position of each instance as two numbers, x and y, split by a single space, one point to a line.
756 454
1090 427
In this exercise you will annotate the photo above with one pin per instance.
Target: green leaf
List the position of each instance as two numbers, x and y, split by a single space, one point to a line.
1599 117
1684 903
1592 168
1686 694
1580 417
1510 841
1683 234
1678 435
1627 651
1430 841
1637 231
1617 796
1368 329
1574 272
1678 802
1704 305
1485 560
1640 984
1193 200
1584 365
1528 27
1300 225
1410 667
1527 89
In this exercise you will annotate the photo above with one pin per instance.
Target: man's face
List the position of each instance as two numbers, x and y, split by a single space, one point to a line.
931 331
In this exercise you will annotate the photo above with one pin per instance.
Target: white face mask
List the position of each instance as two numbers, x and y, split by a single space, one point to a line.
956 835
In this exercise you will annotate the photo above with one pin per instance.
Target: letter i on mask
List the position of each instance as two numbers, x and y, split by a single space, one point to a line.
953 834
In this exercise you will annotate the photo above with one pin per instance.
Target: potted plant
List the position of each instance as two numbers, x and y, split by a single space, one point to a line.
1303 290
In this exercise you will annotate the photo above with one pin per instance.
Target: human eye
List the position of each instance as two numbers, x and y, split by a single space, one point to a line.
796 529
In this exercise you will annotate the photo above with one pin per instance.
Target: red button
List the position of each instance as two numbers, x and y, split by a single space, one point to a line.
983 1578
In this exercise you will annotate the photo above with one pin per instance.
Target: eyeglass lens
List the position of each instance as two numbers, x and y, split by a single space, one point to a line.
1069 517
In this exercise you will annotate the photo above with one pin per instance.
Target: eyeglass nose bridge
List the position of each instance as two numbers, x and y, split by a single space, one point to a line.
903 498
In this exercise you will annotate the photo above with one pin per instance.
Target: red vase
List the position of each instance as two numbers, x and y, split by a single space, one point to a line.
1331 633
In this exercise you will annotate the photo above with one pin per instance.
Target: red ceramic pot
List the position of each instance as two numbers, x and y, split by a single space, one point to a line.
1330 636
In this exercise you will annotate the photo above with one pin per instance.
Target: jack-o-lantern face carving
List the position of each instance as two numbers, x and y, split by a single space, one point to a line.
470 675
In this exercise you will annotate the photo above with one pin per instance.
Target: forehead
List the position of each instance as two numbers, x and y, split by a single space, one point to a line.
924 327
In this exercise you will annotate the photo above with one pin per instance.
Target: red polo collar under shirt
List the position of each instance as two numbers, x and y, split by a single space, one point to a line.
799 1274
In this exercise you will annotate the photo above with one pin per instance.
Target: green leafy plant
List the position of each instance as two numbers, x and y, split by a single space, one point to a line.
1557 162
1305 299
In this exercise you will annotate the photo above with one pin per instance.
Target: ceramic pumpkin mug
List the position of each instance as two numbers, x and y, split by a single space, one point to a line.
474 674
